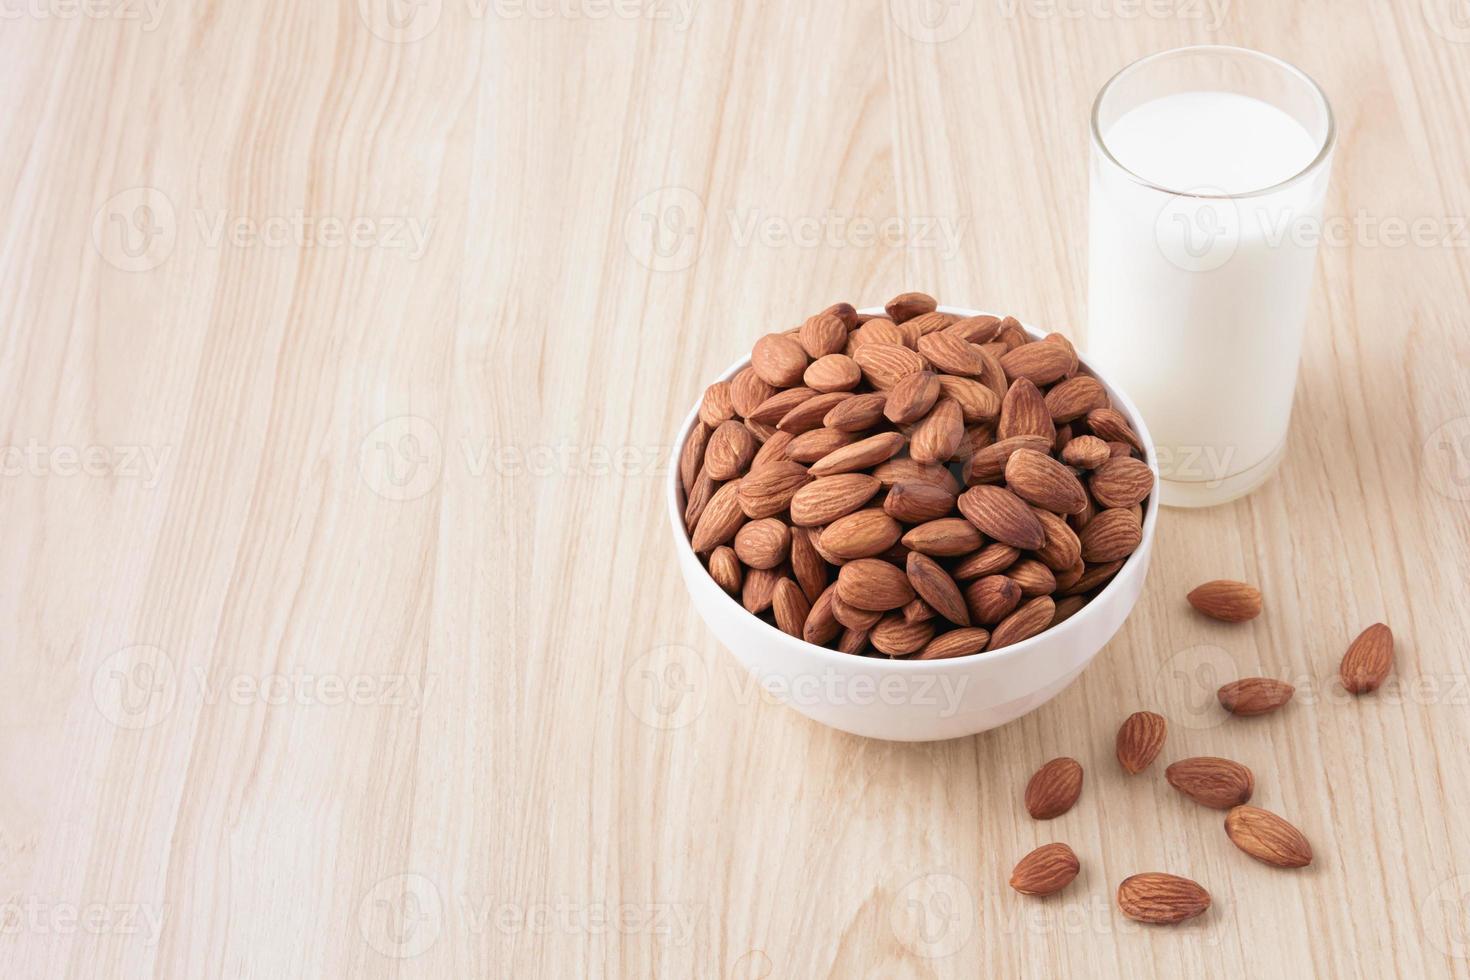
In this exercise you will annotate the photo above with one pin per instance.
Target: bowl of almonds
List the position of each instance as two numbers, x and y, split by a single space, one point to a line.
913 522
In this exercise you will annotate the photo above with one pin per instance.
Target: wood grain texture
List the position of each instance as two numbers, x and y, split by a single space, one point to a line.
343 632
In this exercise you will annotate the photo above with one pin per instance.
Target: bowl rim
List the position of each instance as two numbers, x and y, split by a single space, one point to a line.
1073 624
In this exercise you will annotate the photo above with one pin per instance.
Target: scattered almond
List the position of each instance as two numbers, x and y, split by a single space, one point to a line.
1211 781
1267 838
1254 695
1046 870
1054 789
1161 899
1225 600
1368 660
1140 738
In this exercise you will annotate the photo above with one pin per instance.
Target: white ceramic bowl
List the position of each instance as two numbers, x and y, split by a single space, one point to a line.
916 700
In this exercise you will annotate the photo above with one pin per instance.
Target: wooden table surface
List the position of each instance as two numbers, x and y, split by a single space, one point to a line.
343 346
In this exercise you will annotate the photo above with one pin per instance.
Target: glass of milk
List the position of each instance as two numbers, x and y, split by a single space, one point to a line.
1209 168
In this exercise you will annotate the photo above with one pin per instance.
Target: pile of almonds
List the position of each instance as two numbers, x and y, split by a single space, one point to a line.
918 484
1223 784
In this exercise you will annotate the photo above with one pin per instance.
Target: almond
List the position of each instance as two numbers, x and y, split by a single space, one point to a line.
767 490
730 451
773 449
927 323
773 409
1031 618
905 470
912 397
1092 577
989 464
1046 870
936 438
885 364
813 444
699 497
858 413
832 372
1067 578
764 543
759 589
1003 516
917 611
874 584
945 537
821 626
897 637
1032 576
809 413
1140 738
1109 425
778 359
724 568
1054 789
883 331
1062 550
852 617
1212 782
1254 695
1039 363
992 598
790 607
845 312
935 587
994 376
1223 599
862 534
852 641
1121 482
1072 399
951 354
977 402
808 567
1156 898
1267 838
691 457
1038 479
722 517
955 643
822 334
747 391
1368 660
1067 608
860 455
915 503
1110 536
976 329
1023 412
716 406
1086 452
906 306
825 499
989 560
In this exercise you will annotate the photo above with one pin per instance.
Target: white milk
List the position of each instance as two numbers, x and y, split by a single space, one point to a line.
1196 305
